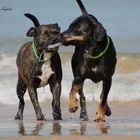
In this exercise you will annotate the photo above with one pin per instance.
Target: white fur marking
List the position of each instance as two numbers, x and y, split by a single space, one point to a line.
94 69
46 70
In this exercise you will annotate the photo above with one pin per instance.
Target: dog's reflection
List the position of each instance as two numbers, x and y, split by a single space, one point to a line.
83 129
90 130
35 131
103 128
21 128
56 128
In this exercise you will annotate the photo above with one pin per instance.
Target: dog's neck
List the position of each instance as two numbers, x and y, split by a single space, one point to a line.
40 54
99 51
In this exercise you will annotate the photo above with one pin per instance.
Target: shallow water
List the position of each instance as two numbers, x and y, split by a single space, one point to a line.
125 86
124 121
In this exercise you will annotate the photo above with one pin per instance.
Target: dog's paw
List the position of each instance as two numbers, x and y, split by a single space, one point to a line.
100 118
18 117
73 109
73 106
100 114
56 116
84 116
41 118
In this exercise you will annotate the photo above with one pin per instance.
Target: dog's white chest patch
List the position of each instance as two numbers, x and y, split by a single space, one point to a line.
46 71
94 69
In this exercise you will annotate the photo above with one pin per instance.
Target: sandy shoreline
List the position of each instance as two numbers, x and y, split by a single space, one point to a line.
123 124
72 138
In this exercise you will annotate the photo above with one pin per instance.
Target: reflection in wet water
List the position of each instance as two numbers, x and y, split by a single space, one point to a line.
40 125
56 129
35 131
86 129
21 128
60 128
103 128
38 128
82 128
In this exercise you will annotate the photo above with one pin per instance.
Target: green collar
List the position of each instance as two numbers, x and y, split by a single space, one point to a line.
37 56
87 55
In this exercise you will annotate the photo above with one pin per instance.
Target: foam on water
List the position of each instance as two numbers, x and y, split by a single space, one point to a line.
125 86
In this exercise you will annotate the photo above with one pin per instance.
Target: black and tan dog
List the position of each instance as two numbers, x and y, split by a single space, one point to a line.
94 58
39 66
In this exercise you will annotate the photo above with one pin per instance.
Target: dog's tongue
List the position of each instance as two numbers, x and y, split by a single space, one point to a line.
53 46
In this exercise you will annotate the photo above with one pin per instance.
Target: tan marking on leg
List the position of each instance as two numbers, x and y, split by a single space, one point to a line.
100 115
106 108
73 101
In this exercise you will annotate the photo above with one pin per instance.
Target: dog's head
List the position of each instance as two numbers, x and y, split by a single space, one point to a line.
82 30
42 33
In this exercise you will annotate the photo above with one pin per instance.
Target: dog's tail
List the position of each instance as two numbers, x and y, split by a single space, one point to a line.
82 7
33 19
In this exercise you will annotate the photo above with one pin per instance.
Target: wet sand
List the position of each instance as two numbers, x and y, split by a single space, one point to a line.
72 137
123 124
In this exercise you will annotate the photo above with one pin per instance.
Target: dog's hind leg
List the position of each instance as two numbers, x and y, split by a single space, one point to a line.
21 89
83 111
34 100
55 88
103 108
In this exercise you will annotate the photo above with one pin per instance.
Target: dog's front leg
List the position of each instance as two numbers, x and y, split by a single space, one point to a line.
34 99
73 101
55 88
103 108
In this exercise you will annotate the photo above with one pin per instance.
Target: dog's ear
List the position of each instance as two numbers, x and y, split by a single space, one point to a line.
31 32
99 32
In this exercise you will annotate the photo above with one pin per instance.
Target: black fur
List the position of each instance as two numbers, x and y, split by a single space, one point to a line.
88 35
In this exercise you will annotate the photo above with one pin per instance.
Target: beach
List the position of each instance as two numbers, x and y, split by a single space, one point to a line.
120 19
73 137
124 121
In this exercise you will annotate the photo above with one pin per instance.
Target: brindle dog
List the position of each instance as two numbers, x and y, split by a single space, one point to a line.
94 58
38 66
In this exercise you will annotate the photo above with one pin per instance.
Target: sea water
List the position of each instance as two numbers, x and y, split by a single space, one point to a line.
121 20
